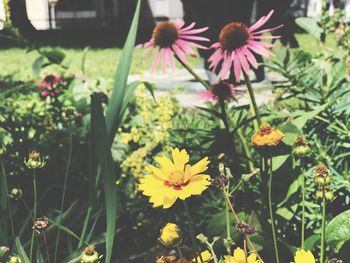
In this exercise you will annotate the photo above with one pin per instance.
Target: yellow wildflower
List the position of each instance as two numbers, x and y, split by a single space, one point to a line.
170 235
267 136
174 179
239 257
206 256
302 256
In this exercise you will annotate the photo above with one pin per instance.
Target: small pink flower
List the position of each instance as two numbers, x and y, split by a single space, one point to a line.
171 38
221 90
236 45
50 86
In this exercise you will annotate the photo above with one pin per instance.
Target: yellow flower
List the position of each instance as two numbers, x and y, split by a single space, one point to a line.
267 136
174 179
166 259
206 256
170 235
239 257
302 256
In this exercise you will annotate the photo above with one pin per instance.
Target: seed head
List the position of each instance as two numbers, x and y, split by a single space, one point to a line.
40 224
35 161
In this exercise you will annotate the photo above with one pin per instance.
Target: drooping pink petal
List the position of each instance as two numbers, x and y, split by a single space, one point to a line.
243 61
226 65
265 37
164 59
179 53
261 44
250 57
207 96
259 50
261 22
155 61
185 47
237 69
216 45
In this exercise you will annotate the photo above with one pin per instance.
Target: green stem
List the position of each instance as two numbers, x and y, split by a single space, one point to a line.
34 215
64 189
194 74
303 209
227 126
245 249
271 213
246 149
180 254
228 226
254 106
323 230
194 243
8 198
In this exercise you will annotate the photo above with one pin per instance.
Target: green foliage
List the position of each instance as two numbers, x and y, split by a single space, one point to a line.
338 230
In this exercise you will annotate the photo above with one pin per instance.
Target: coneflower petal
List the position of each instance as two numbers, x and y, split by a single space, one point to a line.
155 61
194 31
194 38
250 57
266 30
237 69
179 53
261 22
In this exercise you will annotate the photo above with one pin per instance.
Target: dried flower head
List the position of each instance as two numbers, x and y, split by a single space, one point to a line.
219 181
40 224
334 260
70 114
35 161
90 255
267 136
16 193
221 91
170 235
245 229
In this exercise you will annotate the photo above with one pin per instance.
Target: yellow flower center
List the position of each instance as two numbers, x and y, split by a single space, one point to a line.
176 178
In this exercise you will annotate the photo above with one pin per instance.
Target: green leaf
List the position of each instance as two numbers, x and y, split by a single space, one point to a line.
338 230
285 213
304 117
293 188
290 131
21 251
107 171
310 25
311 242
54 56
66 230
278 161
37 65
116 101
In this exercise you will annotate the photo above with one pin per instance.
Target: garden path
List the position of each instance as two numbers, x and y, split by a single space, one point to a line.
187 91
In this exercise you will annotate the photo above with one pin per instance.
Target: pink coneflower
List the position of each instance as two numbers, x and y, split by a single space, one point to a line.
221 90
172 38
237 43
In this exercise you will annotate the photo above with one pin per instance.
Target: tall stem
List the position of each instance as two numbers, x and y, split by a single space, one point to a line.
7 197
193 239
64 189
227 126
194 74
34 215
246 149
323 230
228 226
253 103
180 254
245 249
271 214
303 207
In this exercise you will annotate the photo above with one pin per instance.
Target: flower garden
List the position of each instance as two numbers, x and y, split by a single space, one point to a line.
98 171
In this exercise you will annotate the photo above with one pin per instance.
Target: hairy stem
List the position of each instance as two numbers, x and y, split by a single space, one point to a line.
34 215
303 208
271 214
64 189
253 103
323 230
193 239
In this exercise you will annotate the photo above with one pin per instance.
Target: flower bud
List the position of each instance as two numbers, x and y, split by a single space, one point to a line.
319 194
90 255
170 235
329 195
301 148
34 161
14 259
70 114
3 251
16 193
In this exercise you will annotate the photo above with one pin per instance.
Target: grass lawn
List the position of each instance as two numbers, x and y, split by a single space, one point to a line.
99 62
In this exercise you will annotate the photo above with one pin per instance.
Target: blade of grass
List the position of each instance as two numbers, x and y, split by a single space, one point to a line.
108 172
86 222
115 104
21 251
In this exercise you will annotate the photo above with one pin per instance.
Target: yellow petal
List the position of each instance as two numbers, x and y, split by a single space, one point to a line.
180 158
156 171
166 164
239 254
252 259
168 201
200 166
